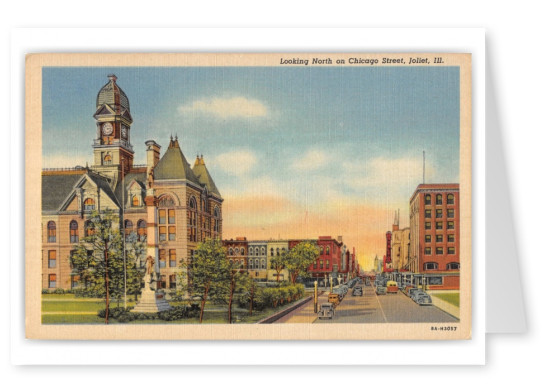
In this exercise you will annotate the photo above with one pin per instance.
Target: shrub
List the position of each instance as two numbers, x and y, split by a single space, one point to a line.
45 291
59 291
175 313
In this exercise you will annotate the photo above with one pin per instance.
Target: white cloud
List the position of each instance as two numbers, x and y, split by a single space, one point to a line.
312 160
226 108
238 162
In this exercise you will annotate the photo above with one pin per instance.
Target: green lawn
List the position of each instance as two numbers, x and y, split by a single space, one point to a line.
452 298
214 313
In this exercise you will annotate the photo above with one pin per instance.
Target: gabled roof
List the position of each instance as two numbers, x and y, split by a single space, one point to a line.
173 165
202 174
56 188
139 177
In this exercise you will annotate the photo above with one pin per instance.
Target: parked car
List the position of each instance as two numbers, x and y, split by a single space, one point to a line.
358 291
380 290
327 311
423 299
412 291
417 293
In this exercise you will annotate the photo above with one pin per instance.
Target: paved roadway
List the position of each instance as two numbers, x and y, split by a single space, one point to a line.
370 308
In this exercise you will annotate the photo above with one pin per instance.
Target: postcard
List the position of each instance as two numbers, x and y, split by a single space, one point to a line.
289 196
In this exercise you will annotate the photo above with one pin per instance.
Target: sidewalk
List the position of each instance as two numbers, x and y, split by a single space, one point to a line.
305 313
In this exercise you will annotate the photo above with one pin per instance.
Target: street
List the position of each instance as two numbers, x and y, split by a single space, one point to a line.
370 308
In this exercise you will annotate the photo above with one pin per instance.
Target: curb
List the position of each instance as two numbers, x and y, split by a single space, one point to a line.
282 313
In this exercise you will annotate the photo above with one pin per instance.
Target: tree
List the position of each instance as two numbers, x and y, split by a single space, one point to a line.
237 283
299 258
250 289
98 260
207 274
278 263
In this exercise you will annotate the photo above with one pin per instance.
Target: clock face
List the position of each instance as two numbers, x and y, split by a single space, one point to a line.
124 131
107 129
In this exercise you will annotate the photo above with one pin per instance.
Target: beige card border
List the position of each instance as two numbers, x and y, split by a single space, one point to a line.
386 331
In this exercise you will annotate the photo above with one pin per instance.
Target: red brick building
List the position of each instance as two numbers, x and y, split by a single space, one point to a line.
237 251
435 232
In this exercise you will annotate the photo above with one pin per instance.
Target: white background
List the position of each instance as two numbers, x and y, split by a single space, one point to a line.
518 55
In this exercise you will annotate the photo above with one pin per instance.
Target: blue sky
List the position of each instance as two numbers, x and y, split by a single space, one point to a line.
311 136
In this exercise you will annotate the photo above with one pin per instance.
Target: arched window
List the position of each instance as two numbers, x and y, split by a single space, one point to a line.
277 252
89 204
321 250
430 266
327 250
452 266
142 230
166 201
192 217
256 263
439 199
51 232
128 228
250 251
256 252
216 220
107 160
242 251
73 228
135 201
230 252
450 199
427 199
263 251
271 252
88 228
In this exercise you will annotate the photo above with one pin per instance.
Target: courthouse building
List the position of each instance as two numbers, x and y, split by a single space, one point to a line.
166 203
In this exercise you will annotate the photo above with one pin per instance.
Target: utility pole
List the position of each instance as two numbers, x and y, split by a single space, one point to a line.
123 234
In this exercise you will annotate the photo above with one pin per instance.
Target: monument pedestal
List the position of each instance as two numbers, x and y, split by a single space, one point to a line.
151 301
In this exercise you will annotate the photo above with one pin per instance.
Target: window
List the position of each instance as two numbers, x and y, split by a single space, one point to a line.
162 282
242 251
230 252
451 224
256 263
439 238
427 239
439 250
271 252
89 204
439 225
51 232
135 201
451 238
450 199
216 220
452 266
74 282
327 250
428 250
451 213
162 258
162 216
51 280
171 232
315 265
256 251
172 281
438 213
73 227
321 250
250 251
451 250
431 266
172 257
263 252
192 215
327 264
428 213
434 280
427 199
439 199
107 160
128 228
142 230
51 258
171 216
162 234
277 252
89 228
428 225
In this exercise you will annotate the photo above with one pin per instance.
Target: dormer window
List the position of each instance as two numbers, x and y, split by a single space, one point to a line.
89 204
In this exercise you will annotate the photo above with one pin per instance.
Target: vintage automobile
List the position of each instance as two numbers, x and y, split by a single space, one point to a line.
334 299
422 298
411 291
391 287
416 293
358 291
327 311
380 290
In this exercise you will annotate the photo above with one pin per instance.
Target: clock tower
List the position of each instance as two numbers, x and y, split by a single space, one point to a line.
113 153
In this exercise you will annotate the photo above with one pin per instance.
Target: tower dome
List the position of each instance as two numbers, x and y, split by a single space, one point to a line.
113 96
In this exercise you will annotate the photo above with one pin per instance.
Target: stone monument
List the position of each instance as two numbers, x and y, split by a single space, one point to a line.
151 300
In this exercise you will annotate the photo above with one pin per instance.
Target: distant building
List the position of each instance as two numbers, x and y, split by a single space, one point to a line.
400 244
258 261
435 231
